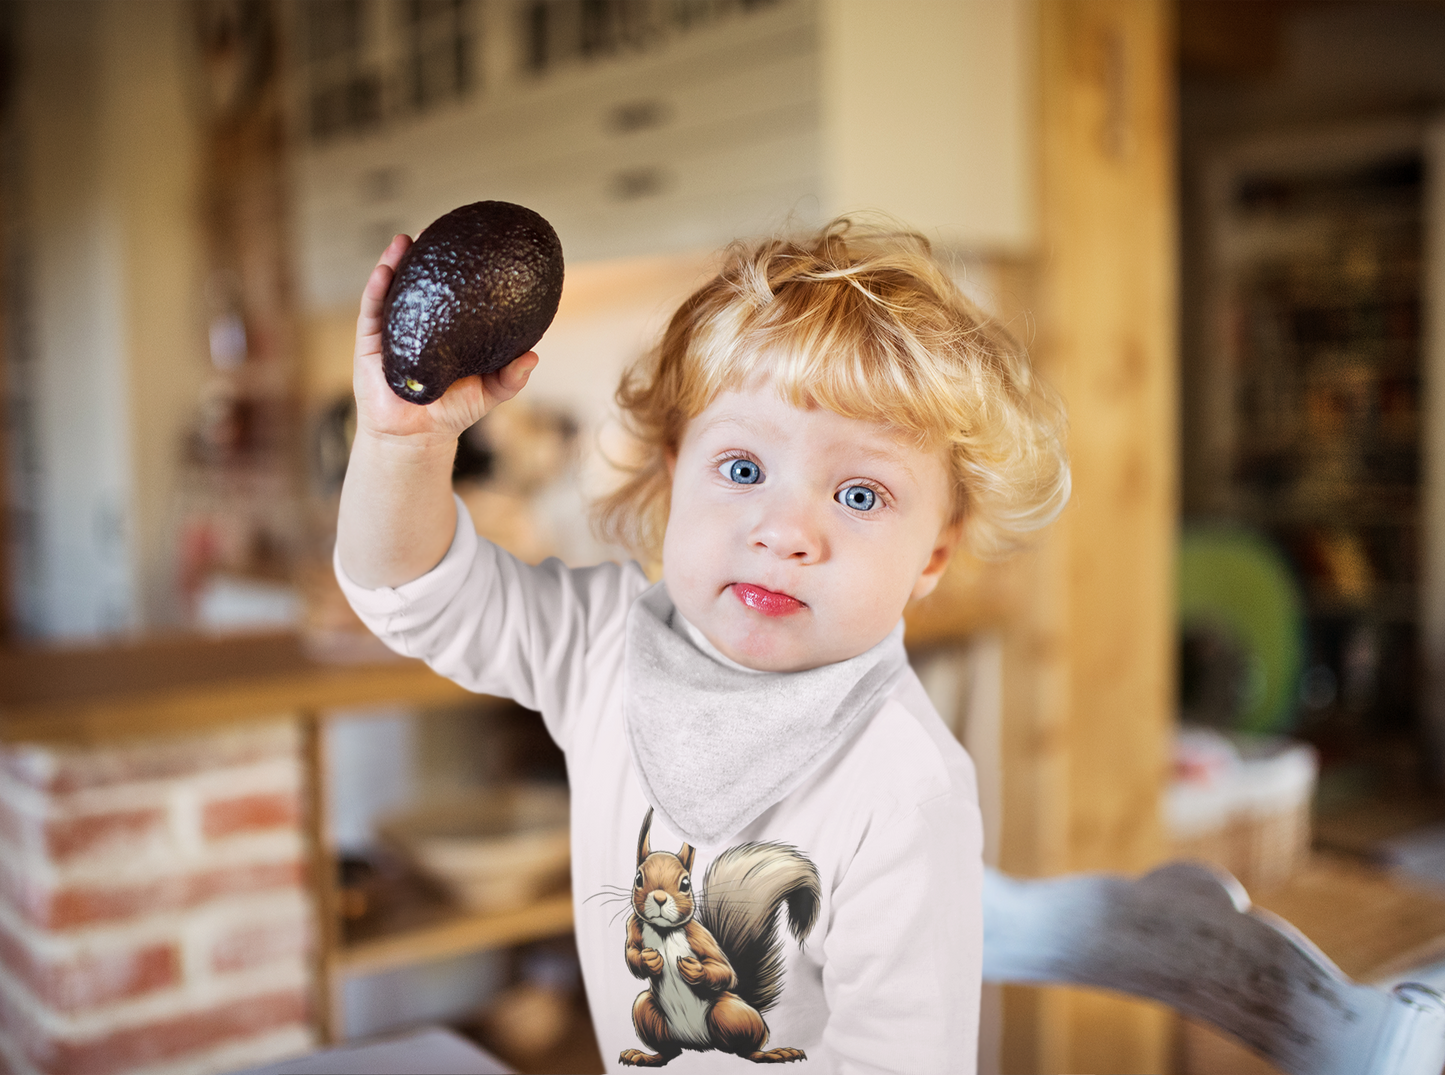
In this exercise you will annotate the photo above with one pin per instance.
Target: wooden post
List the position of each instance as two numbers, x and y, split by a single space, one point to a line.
9 608
322 860
9 613
1432 548
1089 664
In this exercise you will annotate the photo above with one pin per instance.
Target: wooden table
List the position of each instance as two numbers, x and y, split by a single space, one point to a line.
186 684
1372 924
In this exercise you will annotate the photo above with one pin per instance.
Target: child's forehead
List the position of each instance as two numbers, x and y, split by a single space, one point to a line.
765 408
860 388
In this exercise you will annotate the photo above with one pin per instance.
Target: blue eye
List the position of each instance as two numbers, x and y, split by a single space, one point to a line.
858 497
745 472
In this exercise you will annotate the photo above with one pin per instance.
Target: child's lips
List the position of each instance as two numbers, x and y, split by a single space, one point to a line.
768 602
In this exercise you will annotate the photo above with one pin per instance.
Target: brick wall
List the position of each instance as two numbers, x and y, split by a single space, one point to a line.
153 906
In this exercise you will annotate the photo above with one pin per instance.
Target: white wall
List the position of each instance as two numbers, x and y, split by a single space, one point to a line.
83 581
151 145
928 113
108 338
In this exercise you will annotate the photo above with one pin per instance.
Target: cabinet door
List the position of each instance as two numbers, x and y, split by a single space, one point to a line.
711 135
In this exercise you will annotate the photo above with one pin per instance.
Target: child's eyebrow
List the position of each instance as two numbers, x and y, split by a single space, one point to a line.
892 454
746 424
885 455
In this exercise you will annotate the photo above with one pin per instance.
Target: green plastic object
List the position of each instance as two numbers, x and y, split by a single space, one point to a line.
1238 582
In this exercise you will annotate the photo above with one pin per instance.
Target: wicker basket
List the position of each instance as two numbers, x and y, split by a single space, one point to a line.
1252 816
490 848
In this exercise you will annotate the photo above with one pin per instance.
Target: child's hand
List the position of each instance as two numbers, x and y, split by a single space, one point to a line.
381 412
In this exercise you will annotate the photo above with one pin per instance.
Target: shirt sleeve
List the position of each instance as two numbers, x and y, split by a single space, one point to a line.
497 625
904 951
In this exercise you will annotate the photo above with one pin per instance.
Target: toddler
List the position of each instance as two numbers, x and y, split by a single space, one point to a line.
776 845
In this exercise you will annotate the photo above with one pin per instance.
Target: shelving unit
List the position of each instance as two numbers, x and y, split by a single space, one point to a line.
410 920
1311 409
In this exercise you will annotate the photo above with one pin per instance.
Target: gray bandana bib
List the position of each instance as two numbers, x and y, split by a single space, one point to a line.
714 743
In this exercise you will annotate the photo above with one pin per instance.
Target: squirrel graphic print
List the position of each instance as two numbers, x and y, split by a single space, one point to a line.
712 956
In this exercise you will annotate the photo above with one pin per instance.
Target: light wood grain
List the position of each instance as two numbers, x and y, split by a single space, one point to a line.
184 684
457 935
973 596
8 550
322 867
1371 924
1090 662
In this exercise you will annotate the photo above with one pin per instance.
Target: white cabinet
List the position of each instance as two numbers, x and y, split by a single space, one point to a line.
770 113
712 135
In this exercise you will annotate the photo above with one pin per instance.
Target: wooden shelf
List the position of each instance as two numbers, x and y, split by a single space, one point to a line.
452 933
190 683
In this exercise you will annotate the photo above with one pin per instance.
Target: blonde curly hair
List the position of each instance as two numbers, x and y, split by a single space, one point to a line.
862 320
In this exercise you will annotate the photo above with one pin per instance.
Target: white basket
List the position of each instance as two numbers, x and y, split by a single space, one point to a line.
490 848
1252 817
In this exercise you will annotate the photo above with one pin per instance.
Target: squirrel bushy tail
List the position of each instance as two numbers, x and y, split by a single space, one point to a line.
745 888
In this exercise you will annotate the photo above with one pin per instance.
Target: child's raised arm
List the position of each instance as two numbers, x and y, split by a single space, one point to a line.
397 517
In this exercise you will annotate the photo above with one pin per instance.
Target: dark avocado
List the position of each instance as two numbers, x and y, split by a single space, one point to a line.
477 288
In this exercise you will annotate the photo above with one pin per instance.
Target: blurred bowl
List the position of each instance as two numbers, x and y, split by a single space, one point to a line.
489 848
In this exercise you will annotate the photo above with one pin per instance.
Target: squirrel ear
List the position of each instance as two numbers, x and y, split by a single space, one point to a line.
686 854
644 848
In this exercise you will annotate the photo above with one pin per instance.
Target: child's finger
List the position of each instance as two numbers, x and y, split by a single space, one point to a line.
515 373
511 378
398 246
374 293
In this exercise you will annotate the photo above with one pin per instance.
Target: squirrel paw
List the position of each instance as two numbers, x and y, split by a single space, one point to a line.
651 960
778 1056
638 1059
690 970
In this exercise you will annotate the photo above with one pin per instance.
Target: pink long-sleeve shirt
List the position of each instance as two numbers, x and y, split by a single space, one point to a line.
888 979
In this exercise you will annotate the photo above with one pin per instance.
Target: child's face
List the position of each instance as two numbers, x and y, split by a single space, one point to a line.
796 536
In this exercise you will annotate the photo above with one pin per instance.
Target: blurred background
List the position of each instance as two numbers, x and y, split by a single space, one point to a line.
232 827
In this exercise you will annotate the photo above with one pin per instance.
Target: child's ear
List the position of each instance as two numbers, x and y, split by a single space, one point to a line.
948 539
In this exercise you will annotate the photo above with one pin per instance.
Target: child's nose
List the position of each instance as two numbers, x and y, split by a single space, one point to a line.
790 532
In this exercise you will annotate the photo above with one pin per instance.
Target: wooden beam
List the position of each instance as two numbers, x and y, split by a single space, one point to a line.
1089 666
1432 548
9 608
